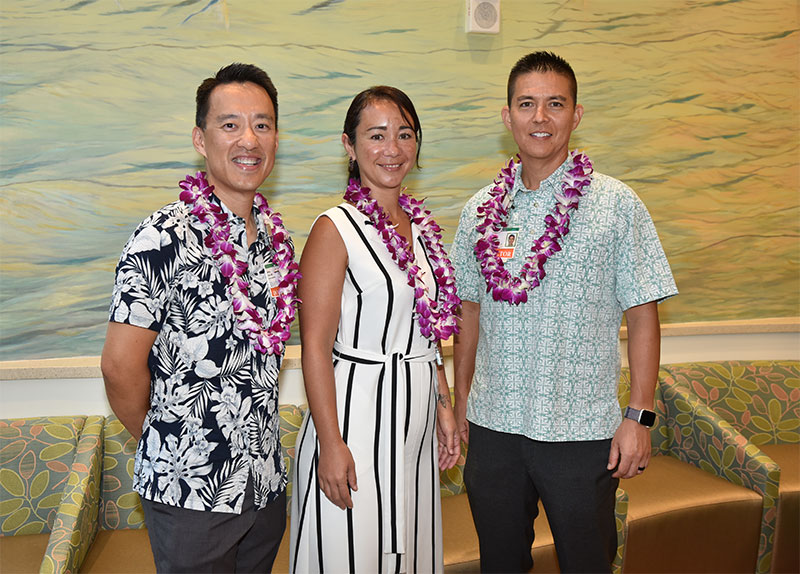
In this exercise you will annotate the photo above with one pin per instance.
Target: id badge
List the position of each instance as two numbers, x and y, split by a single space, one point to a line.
508 242
273 278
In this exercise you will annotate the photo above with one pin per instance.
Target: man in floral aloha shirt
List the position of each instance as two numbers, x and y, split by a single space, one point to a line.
181 372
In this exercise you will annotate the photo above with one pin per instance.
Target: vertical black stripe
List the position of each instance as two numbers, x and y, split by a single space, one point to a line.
359 305
345 435
317 492
435 286
298 453
412 327
376 461
434 465
384 272
407 422
417 479
351 549
393 455
347 399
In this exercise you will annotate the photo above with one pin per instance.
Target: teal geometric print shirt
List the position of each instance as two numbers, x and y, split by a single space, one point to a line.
548 368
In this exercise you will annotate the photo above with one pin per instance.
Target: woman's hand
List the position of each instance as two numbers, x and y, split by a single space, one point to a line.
336 474
447 434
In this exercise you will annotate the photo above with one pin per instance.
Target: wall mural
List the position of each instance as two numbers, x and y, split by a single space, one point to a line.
692 103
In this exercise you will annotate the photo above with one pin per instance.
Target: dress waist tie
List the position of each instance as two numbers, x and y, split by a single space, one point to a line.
392 414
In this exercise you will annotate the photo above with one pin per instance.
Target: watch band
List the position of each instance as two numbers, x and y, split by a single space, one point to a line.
644 417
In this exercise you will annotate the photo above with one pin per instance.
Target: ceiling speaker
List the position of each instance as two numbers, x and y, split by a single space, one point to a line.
483 16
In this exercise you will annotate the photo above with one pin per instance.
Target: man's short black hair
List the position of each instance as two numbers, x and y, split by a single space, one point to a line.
234 73
542 62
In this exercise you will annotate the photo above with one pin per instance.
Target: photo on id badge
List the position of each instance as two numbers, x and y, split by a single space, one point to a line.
508 242
273 278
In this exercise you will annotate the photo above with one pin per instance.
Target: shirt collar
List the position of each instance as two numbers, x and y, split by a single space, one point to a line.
237 222
547 185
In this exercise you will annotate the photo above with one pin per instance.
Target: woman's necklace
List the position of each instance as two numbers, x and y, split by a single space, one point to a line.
195 192
493 216
436 318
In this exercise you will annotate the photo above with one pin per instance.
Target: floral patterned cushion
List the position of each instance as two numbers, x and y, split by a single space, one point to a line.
720 411
291 419
760 399
76 522
120 507
36 456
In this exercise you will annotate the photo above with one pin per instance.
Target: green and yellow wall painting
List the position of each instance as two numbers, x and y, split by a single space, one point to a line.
692 103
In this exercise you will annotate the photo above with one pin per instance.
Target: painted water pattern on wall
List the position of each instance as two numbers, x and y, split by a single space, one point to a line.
693 103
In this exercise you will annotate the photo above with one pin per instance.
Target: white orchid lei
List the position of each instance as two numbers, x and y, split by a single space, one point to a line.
436 318
268 339
493 216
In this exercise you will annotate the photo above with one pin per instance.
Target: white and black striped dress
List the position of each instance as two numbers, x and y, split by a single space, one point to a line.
385 395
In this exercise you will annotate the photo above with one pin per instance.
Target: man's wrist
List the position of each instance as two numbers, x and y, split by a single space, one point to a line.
644 417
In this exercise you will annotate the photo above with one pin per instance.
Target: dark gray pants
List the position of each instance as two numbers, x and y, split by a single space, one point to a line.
199 541
507 474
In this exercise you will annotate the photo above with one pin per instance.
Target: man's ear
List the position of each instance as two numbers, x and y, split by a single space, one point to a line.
199 141
506 115
578 115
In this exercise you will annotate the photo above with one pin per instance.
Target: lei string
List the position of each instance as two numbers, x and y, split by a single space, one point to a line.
436 318
493 216
268 339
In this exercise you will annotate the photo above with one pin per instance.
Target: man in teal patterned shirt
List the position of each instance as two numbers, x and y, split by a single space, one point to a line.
537 361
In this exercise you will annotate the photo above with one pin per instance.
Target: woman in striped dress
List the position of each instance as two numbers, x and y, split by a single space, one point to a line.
378 296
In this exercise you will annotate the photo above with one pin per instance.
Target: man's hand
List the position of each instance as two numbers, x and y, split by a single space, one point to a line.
630 449
337 474
462 425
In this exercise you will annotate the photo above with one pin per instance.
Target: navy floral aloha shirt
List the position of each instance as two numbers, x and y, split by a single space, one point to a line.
213 418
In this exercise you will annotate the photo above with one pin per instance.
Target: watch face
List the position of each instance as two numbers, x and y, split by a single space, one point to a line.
647 418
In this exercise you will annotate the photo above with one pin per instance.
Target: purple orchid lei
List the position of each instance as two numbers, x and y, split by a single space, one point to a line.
436 319
493 216
195 192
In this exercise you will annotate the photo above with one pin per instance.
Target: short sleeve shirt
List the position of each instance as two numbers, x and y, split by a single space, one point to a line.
213 418
548 369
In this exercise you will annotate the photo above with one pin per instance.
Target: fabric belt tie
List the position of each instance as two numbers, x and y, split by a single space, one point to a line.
393 415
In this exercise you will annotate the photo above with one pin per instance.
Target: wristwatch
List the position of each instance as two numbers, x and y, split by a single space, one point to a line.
643 417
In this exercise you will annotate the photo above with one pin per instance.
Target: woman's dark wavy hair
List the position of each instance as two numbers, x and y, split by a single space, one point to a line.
365 98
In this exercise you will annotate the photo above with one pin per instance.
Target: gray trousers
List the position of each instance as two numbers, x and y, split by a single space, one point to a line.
506 475
198 541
